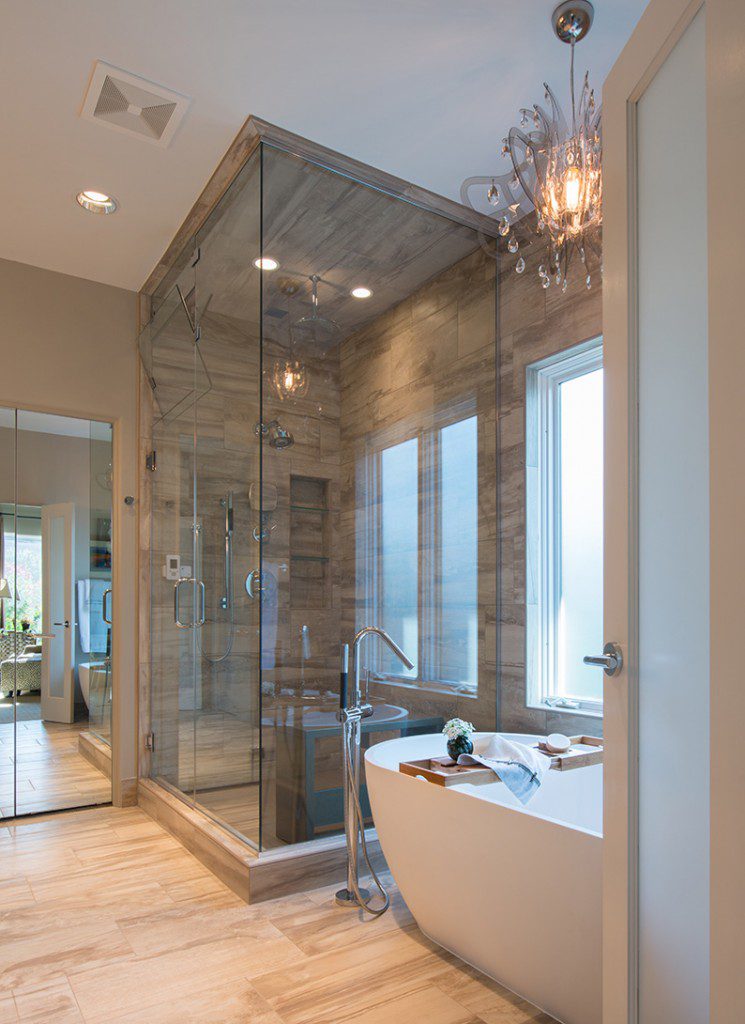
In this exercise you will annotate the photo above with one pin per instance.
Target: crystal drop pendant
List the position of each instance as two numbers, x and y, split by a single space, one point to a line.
493 195
504 226
564 285
588 281
523 119
546 281
512 244
514 183
520 266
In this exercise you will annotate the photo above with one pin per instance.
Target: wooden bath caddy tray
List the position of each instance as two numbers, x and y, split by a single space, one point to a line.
584 751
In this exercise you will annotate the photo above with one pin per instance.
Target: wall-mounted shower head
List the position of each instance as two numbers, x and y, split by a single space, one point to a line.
277 436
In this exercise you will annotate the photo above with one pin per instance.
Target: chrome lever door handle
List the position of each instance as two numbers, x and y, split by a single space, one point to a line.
611 660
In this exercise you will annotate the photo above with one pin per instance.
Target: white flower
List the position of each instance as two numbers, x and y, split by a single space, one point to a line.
456 728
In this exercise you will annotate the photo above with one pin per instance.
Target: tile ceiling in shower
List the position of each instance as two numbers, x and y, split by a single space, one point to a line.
318 222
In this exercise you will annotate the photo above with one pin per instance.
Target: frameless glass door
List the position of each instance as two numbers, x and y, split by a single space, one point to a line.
228 514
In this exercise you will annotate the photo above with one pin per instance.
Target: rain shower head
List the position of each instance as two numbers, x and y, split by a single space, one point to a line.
315 333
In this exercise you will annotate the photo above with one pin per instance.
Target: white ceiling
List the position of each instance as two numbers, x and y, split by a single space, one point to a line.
424 89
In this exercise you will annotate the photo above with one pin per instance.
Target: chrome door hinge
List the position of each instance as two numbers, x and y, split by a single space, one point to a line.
151 460
150 741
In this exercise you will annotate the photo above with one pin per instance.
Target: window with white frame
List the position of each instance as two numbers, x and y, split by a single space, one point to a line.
418 559
564 528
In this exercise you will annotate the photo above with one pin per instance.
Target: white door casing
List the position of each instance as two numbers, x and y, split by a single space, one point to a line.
58 604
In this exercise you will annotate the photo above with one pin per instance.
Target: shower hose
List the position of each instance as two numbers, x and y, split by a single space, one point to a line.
358 829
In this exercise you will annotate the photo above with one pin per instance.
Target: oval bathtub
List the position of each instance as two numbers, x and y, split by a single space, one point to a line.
514 891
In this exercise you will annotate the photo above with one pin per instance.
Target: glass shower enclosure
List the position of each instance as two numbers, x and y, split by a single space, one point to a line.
322 360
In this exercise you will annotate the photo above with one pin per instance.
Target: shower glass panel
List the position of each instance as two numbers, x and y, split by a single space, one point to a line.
228 476
378 460
170 358
202 354
324 462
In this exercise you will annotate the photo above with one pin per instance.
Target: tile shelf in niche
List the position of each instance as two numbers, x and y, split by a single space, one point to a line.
309 558
309 508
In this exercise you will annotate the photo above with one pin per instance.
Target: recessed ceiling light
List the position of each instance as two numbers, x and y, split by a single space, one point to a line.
96 202
266 263
361 292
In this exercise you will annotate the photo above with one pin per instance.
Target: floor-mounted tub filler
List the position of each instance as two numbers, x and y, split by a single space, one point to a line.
515 891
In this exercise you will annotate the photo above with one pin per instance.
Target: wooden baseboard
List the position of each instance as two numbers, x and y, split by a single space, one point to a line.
95 751
254 877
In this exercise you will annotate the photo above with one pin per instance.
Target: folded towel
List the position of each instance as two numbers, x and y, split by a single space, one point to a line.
520 768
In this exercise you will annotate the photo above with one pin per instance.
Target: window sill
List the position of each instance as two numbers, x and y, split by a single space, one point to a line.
425 686
582 712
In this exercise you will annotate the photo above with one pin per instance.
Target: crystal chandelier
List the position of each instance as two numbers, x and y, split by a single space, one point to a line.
557 167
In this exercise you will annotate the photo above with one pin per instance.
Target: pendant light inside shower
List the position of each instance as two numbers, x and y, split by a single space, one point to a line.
289 378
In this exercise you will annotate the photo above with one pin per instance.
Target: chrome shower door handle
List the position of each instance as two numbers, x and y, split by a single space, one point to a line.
106 618
200 621
177 604
611 660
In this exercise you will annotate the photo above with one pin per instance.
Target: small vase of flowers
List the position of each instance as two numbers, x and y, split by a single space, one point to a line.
458 734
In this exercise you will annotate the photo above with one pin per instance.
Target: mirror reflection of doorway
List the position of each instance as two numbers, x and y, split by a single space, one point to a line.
55 612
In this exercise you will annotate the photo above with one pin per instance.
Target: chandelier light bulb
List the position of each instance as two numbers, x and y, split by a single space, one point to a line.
572 188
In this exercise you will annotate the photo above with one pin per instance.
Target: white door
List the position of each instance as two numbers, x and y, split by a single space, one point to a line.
58 627
670 329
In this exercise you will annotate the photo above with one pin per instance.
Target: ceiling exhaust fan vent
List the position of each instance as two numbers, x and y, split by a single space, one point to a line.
131 104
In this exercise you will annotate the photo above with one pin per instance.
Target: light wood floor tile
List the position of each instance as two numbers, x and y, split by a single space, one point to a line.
106 919
52 1003
426 1004
147 981
238 1003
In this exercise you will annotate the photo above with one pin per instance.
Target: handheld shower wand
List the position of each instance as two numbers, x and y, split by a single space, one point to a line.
350 716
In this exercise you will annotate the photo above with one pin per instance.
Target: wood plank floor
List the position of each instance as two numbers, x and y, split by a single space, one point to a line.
50 773
106 919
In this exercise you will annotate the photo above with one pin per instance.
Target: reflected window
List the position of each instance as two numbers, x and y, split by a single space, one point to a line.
20 554
419 559
564 549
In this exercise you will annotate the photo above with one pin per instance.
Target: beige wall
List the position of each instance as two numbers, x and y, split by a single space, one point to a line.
69 347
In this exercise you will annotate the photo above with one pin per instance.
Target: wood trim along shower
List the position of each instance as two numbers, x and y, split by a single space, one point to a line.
252 133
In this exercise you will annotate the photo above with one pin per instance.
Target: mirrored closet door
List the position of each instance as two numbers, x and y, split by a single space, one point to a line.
55 612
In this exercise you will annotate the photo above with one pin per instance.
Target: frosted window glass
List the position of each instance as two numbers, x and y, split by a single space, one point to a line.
580 626
459 552
400 553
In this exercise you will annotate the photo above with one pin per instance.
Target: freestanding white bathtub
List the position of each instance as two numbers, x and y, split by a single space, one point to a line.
514 891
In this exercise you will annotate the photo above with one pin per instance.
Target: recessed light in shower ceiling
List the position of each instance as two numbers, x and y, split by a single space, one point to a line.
266 263
361 292
96 202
